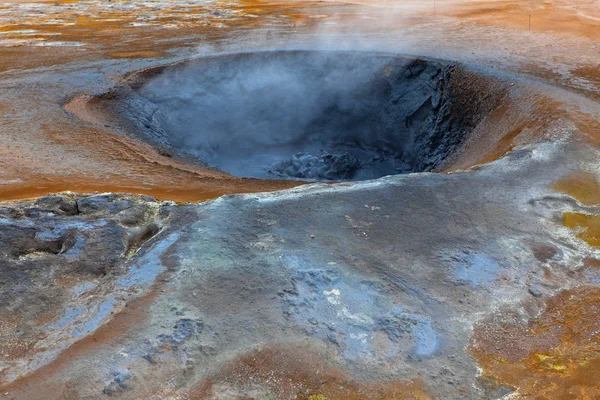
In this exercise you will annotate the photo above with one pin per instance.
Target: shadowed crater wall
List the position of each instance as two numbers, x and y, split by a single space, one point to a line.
307 114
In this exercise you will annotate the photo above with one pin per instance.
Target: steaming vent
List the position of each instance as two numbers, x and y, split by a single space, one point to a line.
304 114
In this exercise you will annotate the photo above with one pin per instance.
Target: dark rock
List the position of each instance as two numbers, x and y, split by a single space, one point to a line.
58 204
324 167
138 236
117 384
535 292
185 327
103 204
132 216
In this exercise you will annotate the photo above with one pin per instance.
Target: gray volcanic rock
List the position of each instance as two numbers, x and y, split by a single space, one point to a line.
68 263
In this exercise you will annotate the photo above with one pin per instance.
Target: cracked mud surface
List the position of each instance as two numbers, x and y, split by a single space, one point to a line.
478 281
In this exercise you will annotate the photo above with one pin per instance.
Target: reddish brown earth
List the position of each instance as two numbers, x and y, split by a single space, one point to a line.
554 356
101 161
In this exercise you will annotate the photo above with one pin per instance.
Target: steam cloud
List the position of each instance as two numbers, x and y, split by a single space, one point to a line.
314 115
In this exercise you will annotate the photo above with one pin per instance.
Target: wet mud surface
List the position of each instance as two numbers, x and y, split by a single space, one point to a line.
474 273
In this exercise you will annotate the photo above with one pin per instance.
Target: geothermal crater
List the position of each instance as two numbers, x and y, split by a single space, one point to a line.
308 115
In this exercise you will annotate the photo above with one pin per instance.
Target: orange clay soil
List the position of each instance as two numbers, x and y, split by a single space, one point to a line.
586 190
555 356
304 375
577 18
580 18
83 157
113 33
581 186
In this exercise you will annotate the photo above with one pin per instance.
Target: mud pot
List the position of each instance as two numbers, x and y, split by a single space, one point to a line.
309 115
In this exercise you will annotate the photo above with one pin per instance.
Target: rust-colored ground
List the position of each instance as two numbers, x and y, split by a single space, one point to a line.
585 189
303 375
580 18
88 157
554 356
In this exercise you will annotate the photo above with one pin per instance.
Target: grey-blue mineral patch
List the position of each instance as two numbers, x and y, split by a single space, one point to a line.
67 318
83 320
476 269
82 288
117 383
54 232
347 310
592 276
24 223
102 311
144 271
75 250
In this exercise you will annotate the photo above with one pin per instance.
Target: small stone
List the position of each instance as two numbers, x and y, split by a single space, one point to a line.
534 292
149 357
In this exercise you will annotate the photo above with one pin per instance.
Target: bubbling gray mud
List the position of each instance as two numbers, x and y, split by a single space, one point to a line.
304 114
